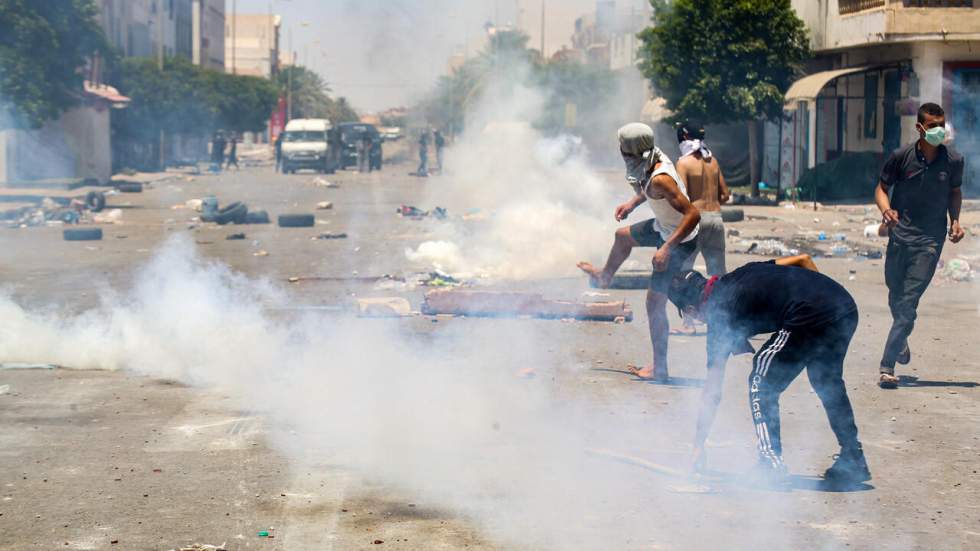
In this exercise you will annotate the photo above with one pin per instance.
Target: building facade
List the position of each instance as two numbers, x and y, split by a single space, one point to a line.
875 62
252 44
208 28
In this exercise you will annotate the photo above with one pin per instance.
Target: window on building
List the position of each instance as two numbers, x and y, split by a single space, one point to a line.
871 106
854 6
938 3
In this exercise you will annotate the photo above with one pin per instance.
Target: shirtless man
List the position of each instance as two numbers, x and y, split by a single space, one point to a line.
707 189
673 232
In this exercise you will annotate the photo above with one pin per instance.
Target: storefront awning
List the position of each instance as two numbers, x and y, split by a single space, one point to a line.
808 87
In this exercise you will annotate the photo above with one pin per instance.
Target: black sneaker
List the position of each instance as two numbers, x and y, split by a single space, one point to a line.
905 356
849 467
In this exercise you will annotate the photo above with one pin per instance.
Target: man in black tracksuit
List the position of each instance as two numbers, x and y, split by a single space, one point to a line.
811 318
924 179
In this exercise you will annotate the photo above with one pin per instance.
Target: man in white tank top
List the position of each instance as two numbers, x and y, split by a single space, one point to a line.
672 231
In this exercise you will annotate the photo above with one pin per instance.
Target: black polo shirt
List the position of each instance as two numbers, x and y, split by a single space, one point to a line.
920 192
763 297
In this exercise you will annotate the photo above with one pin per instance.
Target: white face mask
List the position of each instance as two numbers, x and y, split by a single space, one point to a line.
635 168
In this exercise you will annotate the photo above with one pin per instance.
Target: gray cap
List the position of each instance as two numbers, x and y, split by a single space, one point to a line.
636 138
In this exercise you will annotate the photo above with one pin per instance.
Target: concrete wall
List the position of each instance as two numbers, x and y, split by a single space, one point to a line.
251 44
74 146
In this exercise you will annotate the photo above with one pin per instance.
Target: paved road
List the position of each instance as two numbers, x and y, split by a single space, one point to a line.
239 407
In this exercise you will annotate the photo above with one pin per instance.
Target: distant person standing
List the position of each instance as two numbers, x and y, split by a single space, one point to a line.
233 151
924 180
707 189
279 151
440 143
218 144
364 154
423 169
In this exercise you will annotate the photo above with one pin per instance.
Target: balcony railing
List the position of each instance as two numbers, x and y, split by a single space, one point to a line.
854 6
937 3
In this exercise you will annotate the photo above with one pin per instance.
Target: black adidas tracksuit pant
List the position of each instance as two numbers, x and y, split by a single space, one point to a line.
821 351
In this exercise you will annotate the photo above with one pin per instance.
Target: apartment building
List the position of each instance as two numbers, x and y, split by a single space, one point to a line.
875 62
252 44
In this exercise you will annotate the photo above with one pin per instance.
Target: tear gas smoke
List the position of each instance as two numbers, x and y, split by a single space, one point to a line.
544 207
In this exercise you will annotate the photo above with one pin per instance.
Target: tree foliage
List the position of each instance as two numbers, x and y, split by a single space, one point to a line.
310 96
43 44
189 100
507 58
721 61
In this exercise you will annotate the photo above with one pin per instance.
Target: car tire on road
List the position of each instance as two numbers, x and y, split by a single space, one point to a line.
83 234
95 201
732 215
257 217
296 220
233 213
130 187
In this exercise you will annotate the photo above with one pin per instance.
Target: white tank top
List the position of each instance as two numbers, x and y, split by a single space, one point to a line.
667 218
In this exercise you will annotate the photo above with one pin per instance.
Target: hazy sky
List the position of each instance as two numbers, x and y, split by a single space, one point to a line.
384 53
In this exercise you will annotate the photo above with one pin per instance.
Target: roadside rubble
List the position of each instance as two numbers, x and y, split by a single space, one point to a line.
329 235
50 211
957 269
415 213
322 182
509 304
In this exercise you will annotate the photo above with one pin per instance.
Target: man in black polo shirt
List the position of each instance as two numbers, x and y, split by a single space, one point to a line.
924 179
811 318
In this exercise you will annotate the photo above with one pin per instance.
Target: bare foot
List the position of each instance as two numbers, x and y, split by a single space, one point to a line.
597 278
648 373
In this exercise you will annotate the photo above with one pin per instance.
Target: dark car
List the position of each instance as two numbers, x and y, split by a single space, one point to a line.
352 132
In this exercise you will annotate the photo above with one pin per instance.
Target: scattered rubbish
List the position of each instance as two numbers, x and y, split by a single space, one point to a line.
296 220
4 389
385 307
957 269
506 304
263 534
378 542
331 235
839 250
770 247
235 237
322 182
195 204
439 279
21 365
871 255
840 237
261 253
113 216
324 205
592 294
527 373
733 233
83 234
822 236
202 547
416 213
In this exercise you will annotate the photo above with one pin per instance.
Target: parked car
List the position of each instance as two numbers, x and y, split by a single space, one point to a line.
352 132
305 146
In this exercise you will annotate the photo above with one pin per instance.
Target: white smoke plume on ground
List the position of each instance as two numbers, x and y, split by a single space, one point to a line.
545 207
437 416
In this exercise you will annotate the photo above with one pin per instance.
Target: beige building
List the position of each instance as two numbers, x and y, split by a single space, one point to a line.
252 44
208 24
876 62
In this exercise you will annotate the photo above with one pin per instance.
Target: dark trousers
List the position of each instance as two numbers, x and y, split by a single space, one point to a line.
781 359
908 271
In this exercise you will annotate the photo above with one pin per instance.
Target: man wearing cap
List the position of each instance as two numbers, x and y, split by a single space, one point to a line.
672 231
811 318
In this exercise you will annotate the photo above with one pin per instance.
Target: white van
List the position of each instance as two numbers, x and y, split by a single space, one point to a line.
304 145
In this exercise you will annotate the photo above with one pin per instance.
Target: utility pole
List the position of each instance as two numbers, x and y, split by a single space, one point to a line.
234 37
160 5
543 2
289 79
